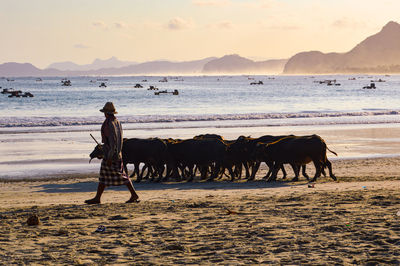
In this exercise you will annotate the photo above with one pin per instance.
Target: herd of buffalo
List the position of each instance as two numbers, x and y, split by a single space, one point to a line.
213 156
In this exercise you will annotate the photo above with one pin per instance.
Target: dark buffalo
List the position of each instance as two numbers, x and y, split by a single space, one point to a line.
152 152
243 151
296 150
200 152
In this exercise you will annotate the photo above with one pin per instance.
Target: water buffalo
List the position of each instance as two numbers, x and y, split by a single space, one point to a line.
296 150
242 150
199 152
151 152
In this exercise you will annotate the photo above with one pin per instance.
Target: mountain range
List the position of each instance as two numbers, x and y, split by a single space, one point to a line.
235 64
228 64
112 62
379 53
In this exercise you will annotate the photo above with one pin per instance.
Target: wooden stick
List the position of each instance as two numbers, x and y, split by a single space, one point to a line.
94 139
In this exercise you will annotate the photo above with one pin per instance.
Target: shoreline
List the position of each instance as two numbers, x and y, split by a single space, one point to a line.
341 162
53 153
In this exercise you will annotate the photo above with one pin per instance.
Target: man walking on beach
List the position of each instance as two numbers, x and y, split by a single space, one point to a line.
111 170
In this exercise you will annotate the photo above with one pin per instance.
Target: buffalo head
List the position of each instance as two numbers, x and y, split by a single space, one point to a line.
97 152
262 152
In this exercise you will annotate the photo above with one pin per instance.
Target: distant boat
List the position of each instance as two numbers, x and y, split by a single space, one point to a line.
163 80
378 80
137 85
328 82
16 93
102 85
152 88
9 79
371 86
65 82
10 91
175 92
102 79
257 83
19 94
27 94
38 79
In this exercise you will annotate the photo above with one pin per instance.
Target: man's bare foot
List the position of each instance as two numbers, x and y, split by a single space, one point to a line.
92 201
133 200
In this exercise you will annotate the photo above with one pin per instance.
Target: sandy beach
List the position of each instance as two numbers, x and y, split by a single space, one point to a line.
353 220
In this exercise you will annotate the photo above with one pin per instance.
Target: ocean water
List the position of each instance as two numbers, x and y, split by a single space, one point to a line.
49 133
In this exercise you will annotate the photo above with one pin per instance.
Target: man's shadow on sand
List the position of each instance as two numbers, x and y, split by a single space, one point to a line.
215 185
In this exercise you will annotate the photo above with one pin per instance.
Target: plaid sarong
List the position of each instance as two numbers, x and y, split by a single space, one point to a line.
113 175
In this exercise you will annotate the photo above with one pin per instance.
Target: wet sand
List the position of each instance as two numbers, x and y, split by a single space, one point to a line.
353 220
33 155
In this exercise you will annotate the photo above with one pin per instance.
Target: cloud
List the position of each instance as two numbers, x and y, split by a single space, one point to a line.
225 25
99 24
120 25
269 4
81 46
283 27
178 23
346 22
211 2
277 26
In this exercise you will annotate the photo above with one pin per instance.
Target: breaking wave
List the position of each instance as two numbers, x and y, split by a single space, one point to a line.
253 119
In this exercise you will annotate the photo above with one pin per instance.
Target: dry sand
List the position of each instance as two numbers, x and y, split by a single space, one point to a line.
351 221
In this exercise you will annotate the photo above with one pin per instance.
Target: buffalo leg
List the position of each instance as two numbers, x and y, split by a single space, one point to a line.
238 170
283 172
138 176
191 173
246 167
303 167
215 170
254 170
160 169
149 171
270 168
232 173
275 170
296 170
318 167
329 165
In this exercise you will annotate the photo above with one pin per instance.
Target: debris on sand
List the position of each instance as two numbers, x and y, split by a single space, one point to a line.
33 220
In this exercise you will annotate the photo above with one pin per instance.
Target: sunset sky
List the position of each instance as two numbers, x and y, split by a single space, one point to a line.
46 31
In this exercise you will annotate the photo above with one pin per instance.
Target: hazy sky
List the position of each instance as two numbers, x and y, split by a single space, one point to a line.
46 31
